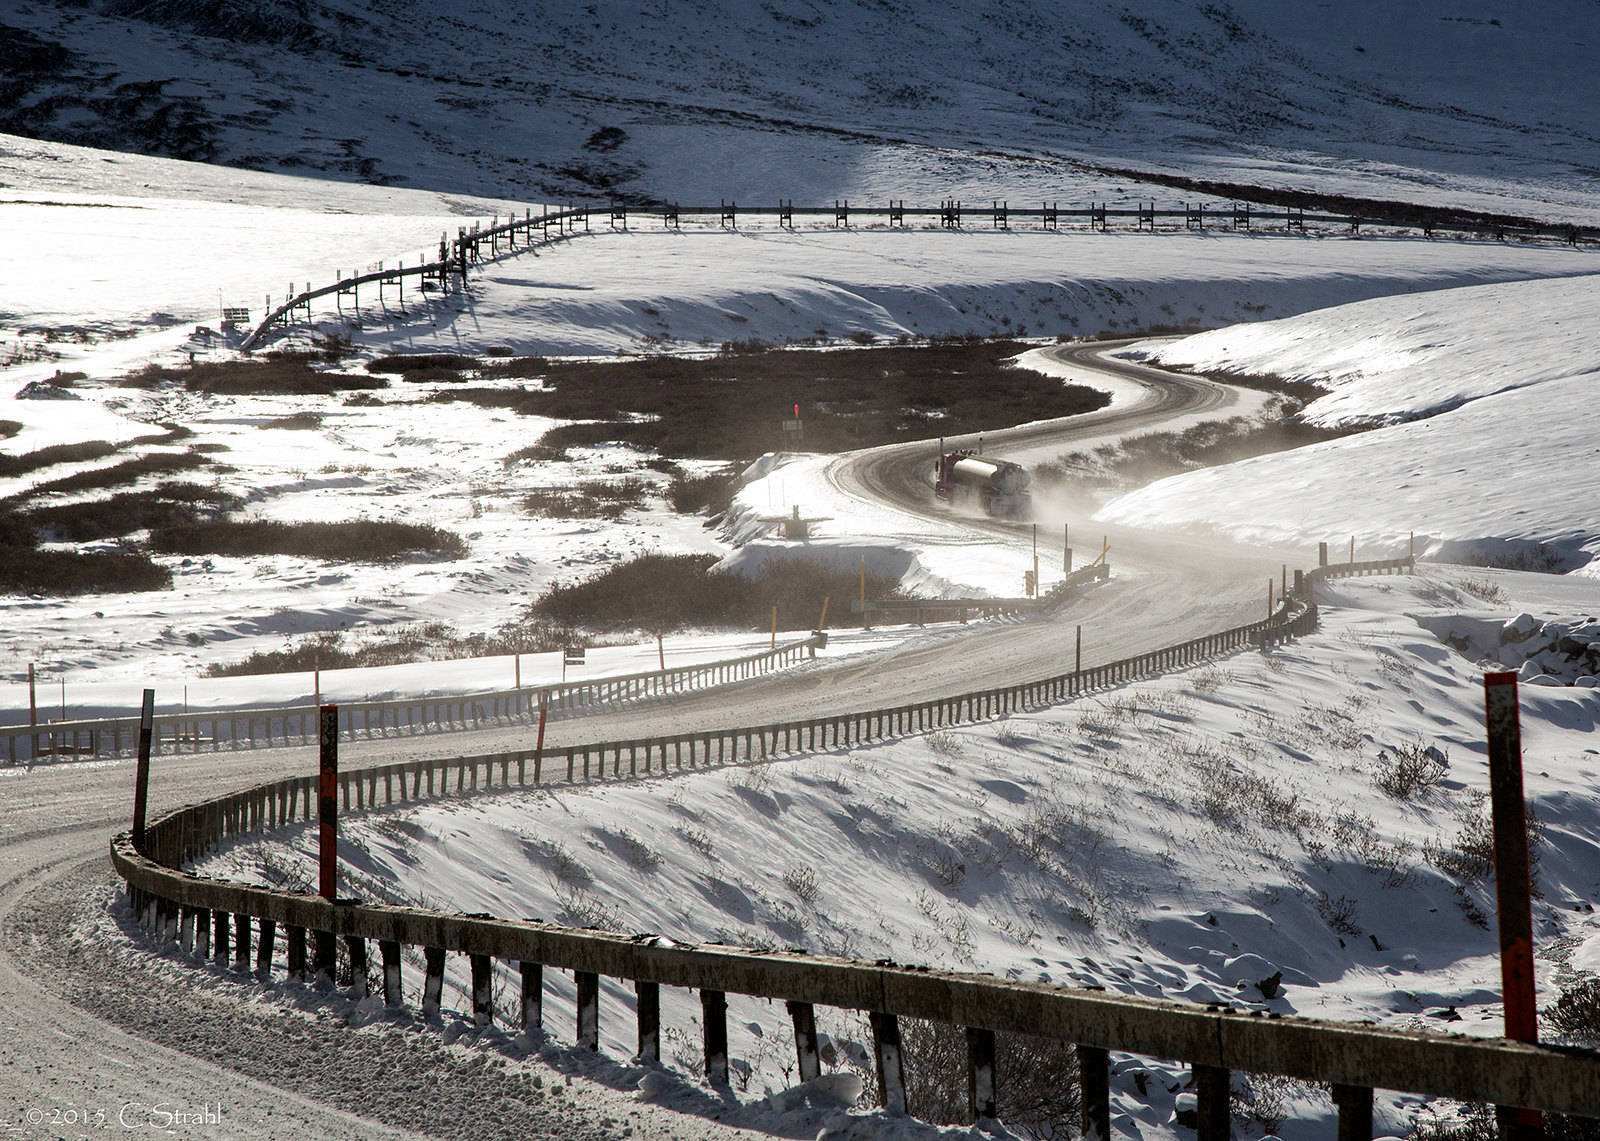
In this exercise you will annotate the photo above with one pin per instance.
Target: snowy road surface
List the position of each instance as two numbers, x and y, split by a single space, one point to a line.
53 834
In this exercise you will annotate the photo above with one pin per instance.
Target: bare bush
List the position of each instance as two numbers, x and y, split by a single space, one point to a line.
698 839
634 851
1036 1083
1468 855
1339 914
801 880
1358 836
579 908
1575 1015
1483 589
945 743
560 862
1212 678
1407 771
1396 670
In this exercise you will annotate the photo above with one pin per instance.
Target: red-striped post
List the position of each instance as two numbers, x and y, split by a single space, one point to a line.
328 803
141 772
544 714
1512 886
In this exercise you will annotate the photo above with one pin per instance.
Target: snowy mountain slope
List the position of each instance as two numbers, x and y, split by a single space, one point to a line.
1190 837
1503 470
1481 102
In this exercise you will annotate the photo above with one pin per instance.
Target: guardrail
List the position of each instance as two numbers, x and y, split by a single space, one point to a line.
214 919
395 717
471 244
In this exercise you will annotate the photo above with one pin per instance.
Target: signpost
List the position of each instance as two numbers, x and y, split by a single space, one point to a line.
1512 883
571 656
328 828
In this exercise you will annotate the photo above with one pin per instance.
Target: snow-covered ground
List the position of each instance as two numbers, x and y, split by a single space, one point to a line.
1493 458
1299 832
655 289
409 459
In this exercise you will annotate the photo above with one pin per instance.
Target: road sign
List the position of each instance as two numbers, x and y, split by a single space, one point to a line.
573 656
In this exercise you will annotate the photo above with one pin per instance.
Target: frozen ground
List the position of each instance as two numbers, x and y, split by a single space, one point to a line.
1299 832
1490 392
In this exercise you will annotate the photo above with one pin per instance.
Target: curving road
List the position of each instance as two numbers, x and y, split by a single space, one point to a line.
78 1033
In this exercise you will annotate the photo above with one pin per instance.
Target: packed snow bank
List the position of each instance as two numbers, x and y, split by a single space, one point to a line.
1506 478
1300 832
1405 357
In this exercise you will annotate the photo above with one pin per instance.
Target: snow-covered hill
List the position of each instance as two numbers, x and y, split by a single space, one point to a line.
1296 832
1483 103
1500 466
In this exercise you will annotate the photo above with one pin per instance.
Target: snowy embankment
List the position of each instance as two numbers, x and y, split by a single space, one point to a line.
1493 457
1302 832
655 289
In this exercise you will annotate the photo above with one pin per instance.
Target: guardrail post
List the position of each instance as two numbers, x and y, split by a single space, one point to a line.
588 1009
1322 554
980 1073
1355 1112
649 1010
482 990
804 1017
241 941
532 995
1094 1083
890 1063
390 950
1512 887
1211 1091
714 1022
202 933
141 776
269 931
356 948
432 982
219 937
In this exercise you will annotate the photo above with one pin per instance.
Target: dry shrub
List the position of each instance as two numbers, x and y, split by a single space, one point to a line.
1407 771
358 540
1575 1015
1036 1079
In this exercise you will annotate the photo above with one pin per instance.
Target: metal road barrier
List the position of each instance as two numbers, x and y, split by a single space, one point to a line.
219 920
201 731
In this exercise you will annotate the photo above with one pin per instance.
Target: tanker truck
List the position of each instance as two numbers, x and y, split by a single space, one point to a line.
998 487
